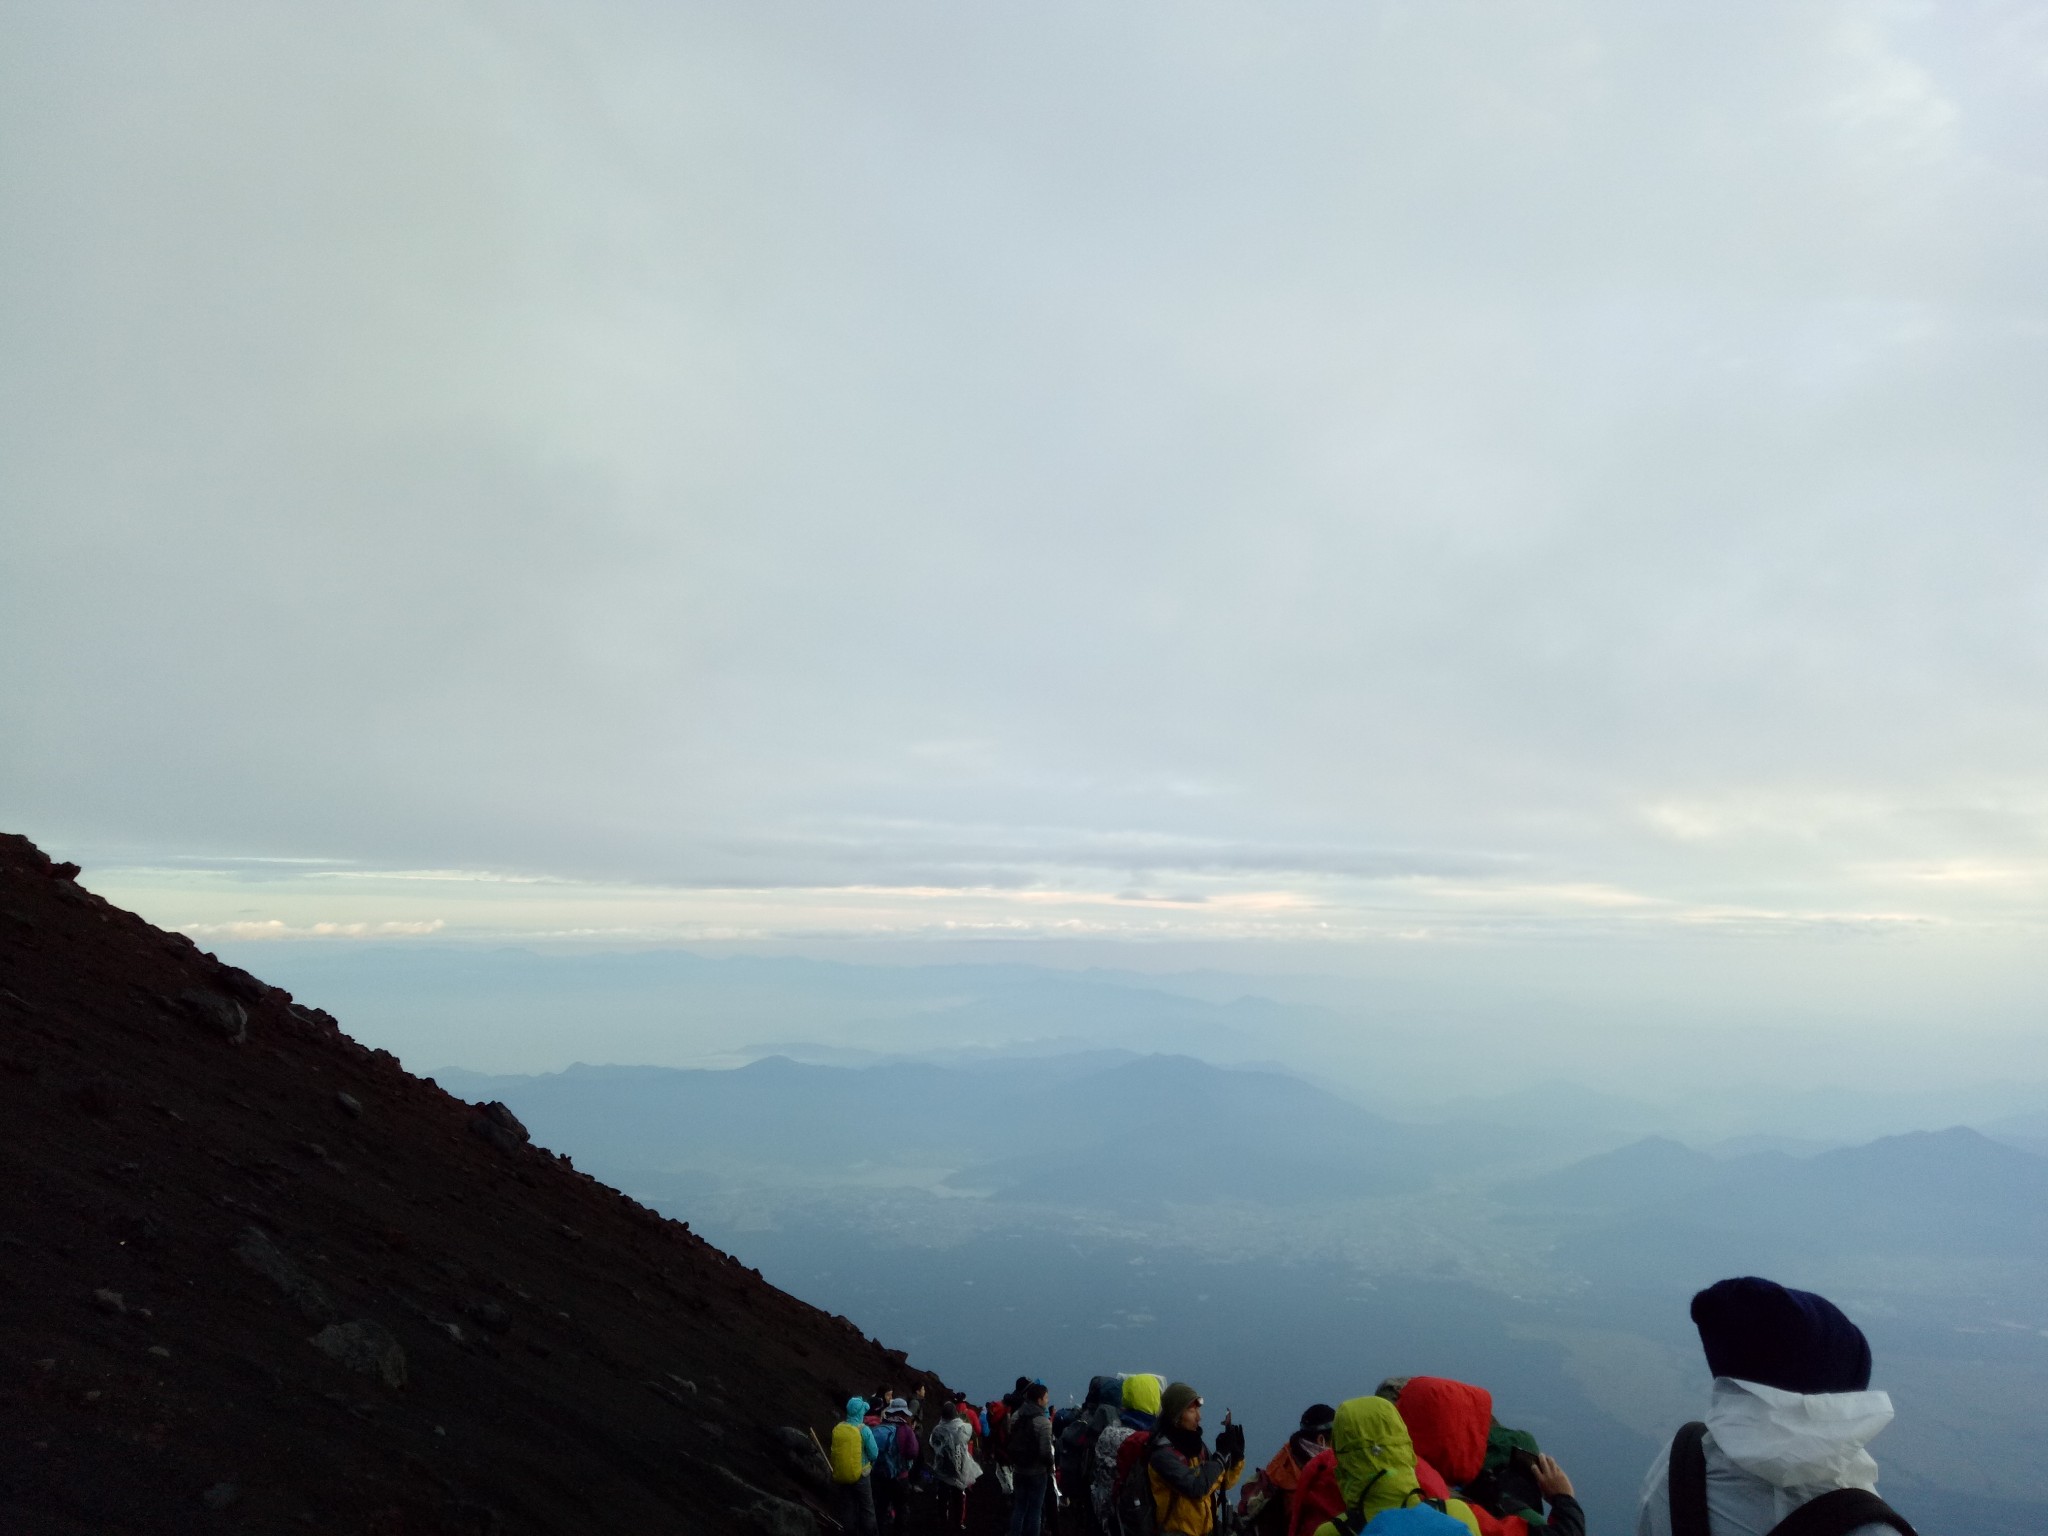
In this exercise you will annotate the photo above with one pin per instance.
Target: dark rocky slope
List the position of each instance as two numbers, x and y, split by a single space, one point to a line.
254 1276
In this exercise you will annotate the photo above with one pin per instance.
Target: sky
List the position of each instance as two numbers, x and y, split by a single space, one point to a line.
1555 488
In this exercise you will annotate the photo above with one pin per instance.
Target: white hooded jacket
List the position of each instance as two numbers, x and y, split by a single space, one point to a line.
953 1463
1770 1451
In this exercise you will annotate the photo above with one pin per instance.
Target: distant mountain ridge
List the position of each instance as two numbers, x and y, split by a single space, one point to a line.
1101 1128
1952 1193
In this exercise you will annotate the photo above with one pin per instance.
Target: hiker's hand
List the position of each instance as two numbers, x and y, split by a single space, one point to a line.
1550 1477
1230 1442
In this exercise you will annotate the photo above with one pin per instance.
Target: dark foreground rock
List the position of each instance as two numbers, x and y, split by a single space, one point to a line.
254 1276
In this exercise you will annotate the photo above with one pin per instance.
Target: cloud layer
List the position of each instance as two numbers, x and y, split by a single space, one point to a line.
1417 467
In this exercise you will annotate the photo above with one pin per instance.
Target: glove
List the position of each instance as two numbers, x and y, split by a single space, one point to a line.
1230 1442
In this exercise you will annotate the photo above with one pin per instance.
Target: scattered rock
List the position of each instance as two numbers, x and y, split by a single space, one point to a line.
219 1013
159 1351
489 1316
496 1124
349 1103
259 1253
242 984
220 1496
110 1301
365 1347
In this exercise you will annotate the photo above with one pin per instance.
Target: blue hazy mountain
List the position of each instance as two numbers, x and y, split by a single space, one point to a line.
1089 1128
438 1003
1644 1172
1652 1210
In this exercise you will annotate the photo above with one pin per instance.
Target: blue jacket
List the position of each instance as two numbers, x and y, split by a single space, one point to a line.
856 1415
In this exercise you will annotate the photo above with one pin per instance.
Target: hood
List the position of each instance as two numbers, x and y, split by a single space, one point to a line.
1142 1393
856 1409
1449 1421
1104 1389
1375 1457
1798 1440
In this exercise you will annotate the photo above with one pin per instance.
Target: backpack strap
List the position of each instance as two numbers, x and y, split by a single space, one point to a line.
1840 1511
1353 1520
1687 1481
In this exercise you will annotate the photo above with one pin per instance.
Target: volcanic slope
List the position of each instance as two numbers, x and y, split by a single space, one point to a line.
255 1276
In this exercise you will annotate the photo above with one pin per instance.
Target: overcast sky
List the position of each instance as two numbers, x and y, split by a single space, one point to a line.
1363 473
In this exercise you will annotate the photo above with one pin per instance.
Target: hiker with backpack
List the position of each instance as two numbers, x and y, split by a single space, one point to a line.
1140 1394
1027 1436
1074 1458
852 1460
954 1468
1381 1486
1781 1450
1267 1504
1170 1483
896 1454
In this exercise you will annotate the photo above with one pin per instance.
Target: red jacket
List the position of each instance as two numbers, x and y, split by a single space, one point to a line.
1449 1421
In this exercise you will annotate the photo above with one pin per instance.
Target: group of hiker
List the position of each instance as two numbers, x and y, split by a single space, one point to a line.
1781 1451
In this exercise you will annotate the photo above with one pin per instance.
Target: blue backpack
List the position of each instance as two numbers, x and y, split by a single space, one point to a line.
1415 1520
889 1458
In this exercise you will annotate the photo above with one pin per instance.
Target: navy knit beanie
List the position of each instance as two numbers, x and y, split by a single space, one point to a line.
1757 1330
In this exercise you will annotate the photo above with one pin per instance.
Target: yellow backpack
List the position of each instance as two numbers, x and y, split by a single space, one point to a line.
846 1453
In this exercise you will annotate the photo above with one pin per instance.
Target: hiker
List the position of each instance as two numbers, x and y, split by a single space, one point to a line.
853 1460
1074 1462
953 1466
1461 1446
1182 1473
969 1413
1140 1394
1028 1439
1377 1479
1786 1427
1267 1503
896 1453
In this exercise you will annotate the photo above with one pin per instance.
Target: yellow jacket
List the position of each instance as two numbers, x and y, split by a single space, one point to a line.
1182 1489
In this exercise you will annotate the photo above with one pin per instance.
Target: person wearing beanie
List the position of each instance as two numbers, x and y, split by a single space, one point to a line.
1267 1503
1184 1472
1786 1426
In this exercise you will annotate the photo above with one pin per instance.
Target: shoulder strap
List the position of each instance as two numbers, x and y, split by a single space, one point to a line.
1688 1481
1839 1512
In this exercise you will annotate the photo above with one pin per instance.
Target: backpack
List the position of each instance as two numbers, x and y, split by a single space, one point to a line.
1835 1513
1408 1520
1131 1492
845 1453
890 1452
1075 1453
